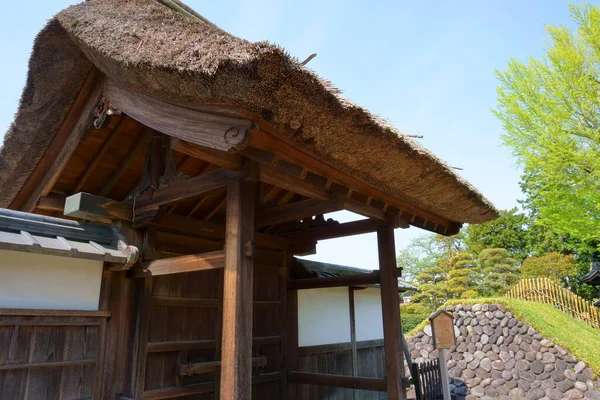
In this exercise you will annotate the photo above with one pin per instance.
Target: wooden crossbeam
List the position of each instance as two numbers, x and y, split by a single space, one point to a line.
219 158
196 186
340 381
338 230
213 131
371 278
195 227
293 212
188 369
97 208
177 265
124 164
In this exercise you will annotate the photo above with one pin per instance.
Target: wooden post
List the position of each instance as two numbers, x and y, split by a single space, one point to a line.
390 306
236 350
291 360
353 335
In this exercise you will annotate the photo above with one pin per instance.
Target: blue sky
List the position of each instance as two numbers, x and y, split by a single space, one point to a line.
426 66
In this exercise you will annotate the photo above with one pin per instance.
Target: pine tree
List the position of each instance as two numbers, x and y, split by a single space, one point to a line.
499 270
462 276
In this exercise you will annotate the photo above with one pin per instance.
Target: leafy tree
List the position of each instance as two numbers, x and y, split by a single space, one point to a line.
424 252
432 287
509 231
462 281
559 267
500 272
549 110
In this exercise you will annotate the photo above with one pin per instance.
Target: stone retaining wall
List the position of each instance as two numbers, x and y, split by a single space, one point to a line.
498 356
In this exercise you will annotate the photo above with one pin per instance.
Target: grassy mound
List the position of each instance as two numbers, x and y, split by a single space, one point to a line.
576 337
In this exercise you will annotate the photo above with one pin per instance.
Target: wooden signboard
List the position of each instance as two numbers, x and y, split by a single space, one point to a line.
442 328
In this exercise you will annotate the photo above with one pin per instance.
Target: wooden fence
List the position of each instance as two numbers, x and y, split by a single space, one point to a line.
427 379
543 290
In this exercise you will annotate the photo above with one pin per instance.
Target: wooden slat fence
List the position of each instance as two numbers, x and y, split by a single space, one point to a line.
543 290
427 380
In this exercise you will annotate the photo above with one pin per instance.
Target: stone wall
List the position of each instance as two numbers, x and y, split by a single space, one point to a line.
498 356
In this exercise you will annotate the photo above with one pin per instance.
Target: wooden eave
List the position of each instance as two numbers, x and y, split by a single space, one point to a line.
109 161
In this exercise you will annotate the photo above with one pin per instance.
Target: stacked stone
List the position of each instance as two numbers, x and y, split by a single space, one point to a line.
498 356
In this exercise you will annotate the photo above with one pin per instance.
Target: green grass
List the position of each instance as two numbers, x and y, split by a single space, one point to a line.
576 337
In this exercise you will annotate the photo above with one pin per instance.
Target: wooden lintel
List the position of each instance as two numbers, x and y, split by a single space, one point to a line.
219 158
294 212
188 369
213 131
340 381
337 230
195 227
196 186
177 265
370 278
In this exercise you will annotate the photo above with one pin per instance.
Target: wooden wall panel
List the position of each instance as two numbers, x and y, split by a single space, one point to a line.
195 329
371 364
49 355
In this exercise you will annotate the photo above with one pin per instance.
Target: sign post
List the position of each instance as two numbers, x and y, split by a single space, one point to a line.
442 329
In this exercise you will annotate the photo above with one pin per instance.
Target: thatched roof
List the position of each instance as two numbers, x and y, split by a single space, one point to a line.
149 48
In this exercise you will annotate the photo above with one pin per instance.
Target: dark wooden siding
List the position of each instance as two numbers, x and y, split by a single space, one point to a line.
50 355
184 326
337 359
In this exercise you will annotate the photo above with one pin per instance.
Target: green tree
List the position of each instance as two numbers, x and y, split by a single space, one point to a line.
462 277
549 110
432 287
559 267
424 252
500 271
509 231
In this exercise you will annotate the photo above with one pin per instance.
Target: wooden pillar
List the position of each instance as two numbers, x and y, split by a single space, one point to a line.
353 335
236 342
291 359
390 306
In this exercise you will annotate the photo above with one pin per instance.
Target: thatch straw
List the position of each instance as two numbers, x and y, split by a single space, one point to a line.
170 55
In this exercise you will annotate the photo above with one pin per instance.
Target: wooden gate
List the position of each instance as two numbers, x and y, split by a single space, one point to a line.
427 380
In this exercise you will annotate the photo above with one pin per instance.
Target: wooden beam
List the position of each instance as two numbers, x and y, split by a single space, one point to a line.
178 265
371 278
268 139
337 230
100 155
390 305
195 227
124 164
189 369
236 373
293 184
339 381
293 212
196 186
52 202
55 159
217 157
290 348
304 188
97 208
213 131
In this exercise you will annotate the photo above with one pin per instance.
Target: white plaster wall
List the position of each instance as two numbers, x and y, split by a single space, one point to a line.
367 311
323 316
48 282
